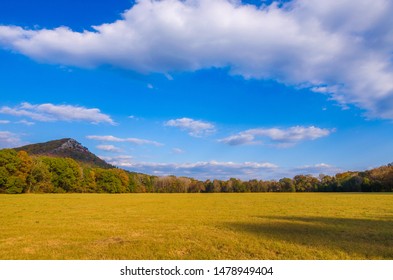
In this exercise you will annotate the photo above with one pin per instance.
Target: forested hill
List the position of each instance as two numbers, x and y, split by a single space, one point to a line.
65 148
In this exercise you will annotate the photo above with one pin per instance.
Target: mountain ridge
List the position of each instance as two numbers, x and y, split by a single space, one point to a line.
65 147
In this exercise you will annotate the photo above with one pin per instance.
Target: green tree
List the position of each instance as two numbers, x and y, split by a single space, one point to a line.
39 179
287 185
108 180
89 180
66 174
124 179
14 170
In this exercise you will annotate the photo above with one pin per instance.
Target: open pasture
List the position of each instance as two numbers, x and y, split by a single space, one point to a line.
197 226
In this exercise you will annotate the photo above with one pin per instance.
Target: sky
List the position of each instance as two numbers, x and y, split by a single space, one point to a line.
203 88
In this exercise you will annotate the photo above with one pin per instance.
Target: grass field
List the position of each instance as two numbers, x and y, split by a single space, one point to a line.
196 226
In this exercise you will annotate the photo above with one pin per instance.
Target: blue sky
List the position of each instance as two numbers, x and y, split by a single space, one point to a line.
207 89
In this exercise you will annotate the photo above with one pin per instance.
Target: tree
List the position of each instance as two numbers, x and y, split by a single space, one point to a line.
89 180
66 174
124 179
237 185
14 170
39 179
208 186
15 184
112 180
196 186
306 183
287 185
327 183
273 186
353 184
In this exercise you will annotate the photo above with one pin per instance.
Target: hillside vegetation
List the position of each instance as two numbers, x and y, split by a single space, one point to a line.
22 173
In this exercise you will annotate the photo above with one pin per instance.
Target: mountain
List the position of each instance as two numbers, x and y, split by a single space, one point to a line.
66 147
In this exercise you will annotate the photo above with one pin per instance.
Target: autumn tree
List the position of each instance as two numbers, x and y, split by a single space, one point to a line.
39 179
14 171
89 180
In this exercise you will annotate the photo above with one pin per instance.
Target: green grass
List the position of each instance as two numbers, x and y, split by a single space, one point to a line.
196 226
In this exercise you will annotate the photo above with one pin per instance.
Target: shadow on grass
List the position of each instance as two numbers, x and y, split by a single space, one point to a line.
357 238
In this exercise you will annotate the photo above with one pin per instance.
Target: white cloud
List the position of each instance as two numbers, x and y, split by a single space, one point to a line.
344 44
49 112
9 140
199 170
26 122
316 169
193 127
108 148
110 138
278 136
325 89
120 160
221 170
120 157
242 138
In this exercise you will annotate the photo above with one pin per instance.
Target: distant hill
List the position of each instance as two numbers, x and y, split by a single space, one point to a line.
66 147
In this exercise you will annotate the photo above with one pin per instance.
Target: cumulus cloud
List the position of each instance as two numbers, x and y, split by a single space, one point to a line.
193 127
4 122
278 136
120 160
110 138
316 169
344 45
9 140
221 170
108 148
199 170
243 138
49 112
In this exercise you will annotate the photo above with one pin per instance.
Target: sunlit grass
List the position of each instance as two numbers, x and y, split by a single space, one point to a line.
196 226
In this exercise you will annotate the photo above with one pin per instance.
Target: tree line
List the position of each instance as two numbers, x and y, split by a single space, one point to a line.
21 173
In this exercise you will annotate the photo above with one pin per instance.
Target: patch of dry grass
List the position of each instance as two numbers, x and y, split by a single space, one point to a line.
196 226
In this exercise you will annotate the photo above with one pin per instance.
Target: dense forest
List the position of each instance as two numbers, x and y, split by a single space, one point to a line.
22 173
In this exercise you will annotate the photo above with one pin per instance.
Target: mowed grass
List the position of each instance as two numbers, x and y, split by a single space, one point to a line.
196 226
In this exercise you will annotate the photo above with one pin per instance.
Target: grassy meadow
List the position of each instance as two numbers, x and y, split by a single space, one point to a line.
197 226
